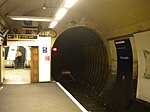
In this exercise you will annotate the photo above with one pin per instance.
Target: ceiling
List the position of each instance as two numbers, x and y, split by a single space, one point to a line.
110 17
27 8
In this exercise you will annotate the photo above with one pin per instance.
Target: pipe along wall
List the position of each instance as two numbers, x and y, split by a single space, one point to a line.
82 51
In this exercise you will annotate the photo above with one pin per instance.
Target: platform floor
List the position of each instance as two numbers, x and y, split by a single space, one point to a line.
39 97
17 76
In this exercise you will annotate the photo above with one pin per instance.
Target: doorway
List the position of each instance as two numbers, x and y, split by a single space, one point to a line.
17 65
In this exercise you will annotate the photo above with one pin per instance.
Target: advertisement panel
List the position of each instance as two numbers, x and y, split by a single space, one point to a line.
143 50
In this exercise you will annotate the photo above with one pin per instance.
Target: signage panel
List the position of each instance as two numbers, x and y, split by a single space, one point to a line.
21 36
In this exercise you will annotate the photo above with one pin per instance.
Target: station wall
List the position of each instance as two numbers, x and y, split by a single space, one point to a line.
141 62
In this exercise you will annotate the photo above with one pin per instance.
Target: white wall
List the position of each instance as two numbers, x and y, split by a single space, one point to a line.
2 63
12 53
28 53
23 43
143 43
44 59
113 57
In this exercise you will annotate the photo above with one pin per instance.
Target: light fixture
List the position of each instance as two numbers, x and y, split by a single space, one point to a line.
54 49
31 18
60 13
69 3
63 9
53 24
44 5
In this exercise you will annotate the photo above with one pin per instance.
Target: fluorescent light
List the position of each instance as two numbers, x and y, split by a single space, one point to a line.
44 7
61 12
31 18
63 8
1 88
53 24
69 3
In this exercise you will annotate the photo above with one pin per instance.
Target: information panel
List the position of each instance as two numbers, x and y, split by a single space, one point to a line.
20 36
27 37
11 36
125 59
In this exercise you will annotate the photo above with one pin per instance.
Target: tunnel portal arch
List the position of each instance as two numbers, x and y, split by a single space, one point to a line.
83 52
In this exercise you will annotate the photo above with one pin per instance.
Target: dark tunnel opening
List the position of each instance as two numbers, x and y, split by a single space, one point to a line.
84 54
81 63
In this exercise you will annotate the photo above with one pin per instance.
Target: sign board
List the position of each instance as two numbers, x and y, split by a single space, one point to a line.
21 36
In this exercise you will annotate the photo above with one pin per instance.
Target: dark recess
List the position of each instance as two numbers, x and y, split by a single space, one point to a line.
82 52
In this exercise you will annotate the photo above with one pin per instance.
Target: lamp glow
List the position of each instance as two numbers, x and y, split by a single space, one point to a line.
53 24
61 12
54 49
63 9
30 18
69 3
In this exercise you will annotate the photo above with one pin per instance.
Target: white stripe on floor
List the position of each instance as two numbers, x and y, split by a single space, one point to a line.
72 98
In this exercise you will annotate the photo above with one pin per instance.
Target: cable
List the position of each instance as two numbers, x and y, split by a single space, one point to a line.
3 3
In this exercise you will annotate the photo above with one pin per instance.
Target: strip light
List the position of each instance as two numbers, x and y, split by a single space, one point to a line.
1 88
60 14
64 7
31 18
69 3
53 24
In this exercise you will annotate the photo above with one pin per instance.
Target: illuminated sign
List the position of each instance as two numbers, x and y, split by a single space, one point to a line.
54 49
21 36
27 37
9 36
44 49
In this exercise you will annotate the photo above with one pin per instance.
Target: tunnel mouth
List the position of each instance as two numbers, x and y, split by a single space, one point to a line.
82 57
81 64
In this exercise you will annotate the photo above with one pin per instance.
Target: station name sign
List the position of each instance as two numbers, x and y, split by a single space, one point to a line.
21 36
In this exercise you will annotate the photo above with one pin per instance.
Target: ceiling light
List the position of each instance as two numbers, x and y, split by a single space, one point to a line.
63 8
61 12
31 18
44 6
53 24
69 3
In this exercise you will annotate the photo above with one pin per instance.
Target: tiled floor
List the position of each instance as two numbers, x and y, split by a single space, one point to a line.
17 76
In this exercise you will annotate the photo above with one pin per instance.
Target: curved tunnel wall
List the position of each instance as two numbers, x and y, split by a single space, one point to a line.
82 51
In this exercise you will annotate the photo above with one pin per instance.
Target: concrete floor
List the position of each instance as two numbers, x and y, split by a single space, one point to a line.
39 97
17 76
